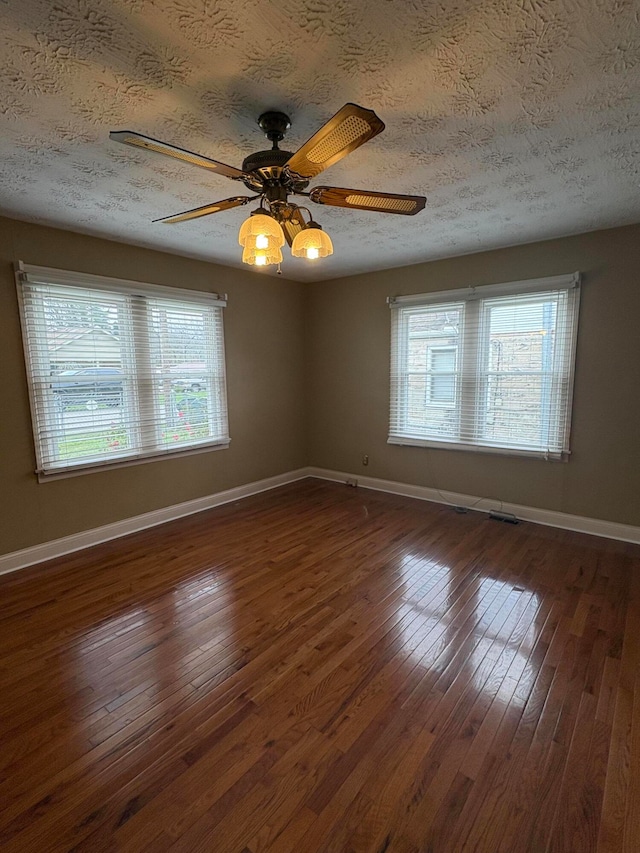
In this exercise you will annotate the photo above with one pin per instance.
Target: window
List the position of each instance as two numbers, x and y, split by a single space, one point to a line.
486 368
120 371
441 385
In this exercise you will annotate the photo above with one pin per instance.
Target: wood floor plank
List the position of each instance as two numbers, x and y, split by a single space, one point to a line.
327 670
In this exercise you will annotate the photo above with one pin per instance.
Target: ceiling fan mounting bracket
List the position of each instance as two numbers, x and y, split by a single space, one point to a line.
274 124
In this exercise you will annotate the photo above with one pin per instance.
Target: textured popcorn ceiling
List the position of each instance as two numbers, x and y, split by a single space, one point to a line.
518 119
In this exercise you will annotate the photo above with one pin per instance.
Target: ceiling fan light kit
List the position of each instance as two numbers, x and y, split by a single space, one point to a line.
274 175
261 257
261 231
312 243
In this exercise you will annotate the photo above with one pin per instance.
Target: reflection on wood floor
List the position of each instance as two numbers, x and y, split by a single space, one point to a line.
320 668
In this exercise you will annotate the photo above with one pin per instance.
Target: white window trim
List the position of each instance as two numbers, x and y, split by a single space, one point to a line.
34 274
471 296
481 291
49 275
128 461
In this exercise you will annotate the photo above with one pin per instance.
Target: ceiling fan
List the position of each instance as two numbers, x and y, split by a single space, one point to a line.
274 175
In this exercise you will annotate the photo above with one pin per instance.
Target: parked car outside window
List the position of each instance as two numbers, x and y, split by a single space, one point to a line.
101 384
191 375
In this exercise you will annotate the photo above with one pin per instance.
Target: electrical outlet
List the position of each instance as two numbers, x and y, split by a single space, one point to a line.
365 458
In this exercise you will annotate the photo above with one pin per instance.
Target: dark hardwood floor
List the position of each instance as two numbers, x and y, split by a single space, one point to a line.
321 668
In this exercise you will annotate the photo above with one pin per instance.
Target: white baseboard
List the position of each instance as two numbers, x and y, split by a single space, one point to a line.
76 542
551 518
68 544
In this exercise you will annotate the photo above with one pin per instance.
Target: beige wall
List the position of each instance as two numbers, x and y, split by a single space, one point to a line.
348 328
264 329
308 383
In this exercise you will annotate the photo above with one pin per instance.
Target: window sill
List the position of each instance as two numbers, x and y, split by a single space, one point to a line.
125 462
530 453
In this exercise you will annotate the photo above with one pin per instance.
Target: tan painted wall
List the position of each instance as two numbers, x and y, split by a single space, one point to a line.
264 330
283 417
348 328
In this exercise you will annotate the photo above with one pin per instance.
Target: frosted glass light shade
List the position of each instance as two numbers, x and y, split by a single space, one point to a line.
259 225
257 241
261 257
311 243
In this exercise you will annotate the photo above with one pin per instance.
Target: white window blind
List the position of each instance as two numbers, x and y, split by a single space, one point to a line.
486 368
118 370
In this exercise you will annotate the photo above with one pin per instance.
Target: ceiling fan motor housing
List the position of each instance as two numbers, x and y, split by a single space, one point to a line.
265 170
265 159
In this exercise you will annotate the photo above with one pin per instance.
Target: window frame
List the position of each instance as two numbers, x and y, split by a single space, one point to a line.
40 415
473 367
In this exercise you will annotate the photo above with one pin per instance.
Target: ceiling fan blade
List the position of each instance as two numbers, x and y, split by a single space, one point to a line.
368 200
293 225
128 137
205 210
349 128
